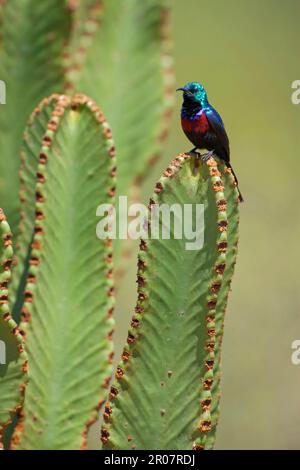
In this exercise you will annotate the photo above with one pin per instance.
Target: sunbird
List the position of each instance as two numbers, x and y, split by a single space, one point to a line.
203 125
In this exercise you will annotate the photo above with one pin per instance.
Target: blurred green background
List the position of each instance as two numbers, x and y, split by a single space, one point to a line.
246 54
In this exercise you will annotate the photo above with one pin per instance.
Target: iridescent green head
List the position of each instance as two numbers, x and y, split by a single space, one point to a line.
194 92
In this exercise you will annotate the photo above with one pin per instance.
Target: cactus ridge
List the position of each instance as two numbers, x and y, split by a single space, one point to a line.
35 328
86 21
62 104
14 381
31 156
168 75
205 423
232 196
57 105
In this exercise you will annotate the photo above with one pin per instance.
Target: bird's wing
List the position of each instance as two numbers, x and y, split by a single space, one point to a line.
217 125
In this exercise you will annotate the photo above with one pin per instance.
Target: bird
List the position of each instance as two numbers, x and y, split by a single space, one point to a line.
203 125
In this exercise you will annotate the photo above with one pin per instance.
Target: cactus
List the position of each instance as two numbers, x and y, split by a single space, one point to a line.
13 363
231 255
30 155
68 305
134 81
165 394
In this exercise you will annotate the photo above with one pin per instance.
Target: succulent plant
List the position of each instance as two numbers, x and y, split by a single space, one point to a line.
134 81
60 46
67 323
13 363
166 389
33 35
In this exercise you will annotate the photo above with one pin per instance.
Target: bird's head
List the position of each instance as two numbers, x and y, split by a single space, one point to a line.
194 92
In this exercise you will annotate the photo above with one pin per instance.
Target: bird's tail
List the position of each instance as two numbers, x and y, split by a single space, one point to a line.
241 199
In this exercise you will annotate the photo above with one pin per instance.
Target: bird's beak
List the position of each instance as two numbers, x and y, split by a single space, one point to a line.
187 92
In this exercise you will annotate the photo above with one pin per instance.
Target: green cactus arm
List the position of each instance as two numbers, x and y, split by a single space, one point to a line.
31 153
13 359
232 202
31 65
125 65
67 314
85 21
162 394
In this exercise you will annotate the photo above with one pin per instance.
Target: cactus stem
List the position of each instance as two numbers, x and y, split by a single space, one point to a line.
5 277
62 104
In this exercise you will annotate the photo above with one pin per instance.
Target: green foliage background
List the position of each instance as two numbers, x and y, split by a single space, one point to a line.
247 55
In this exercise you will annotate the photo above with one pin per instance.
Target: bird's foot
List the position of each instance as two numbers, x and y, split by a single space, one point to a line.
194 152
207 156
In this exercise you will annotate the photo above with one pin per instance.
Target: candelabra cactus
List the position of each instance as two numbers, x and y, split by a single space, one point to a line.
77 149
116 52
59 283
166 390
